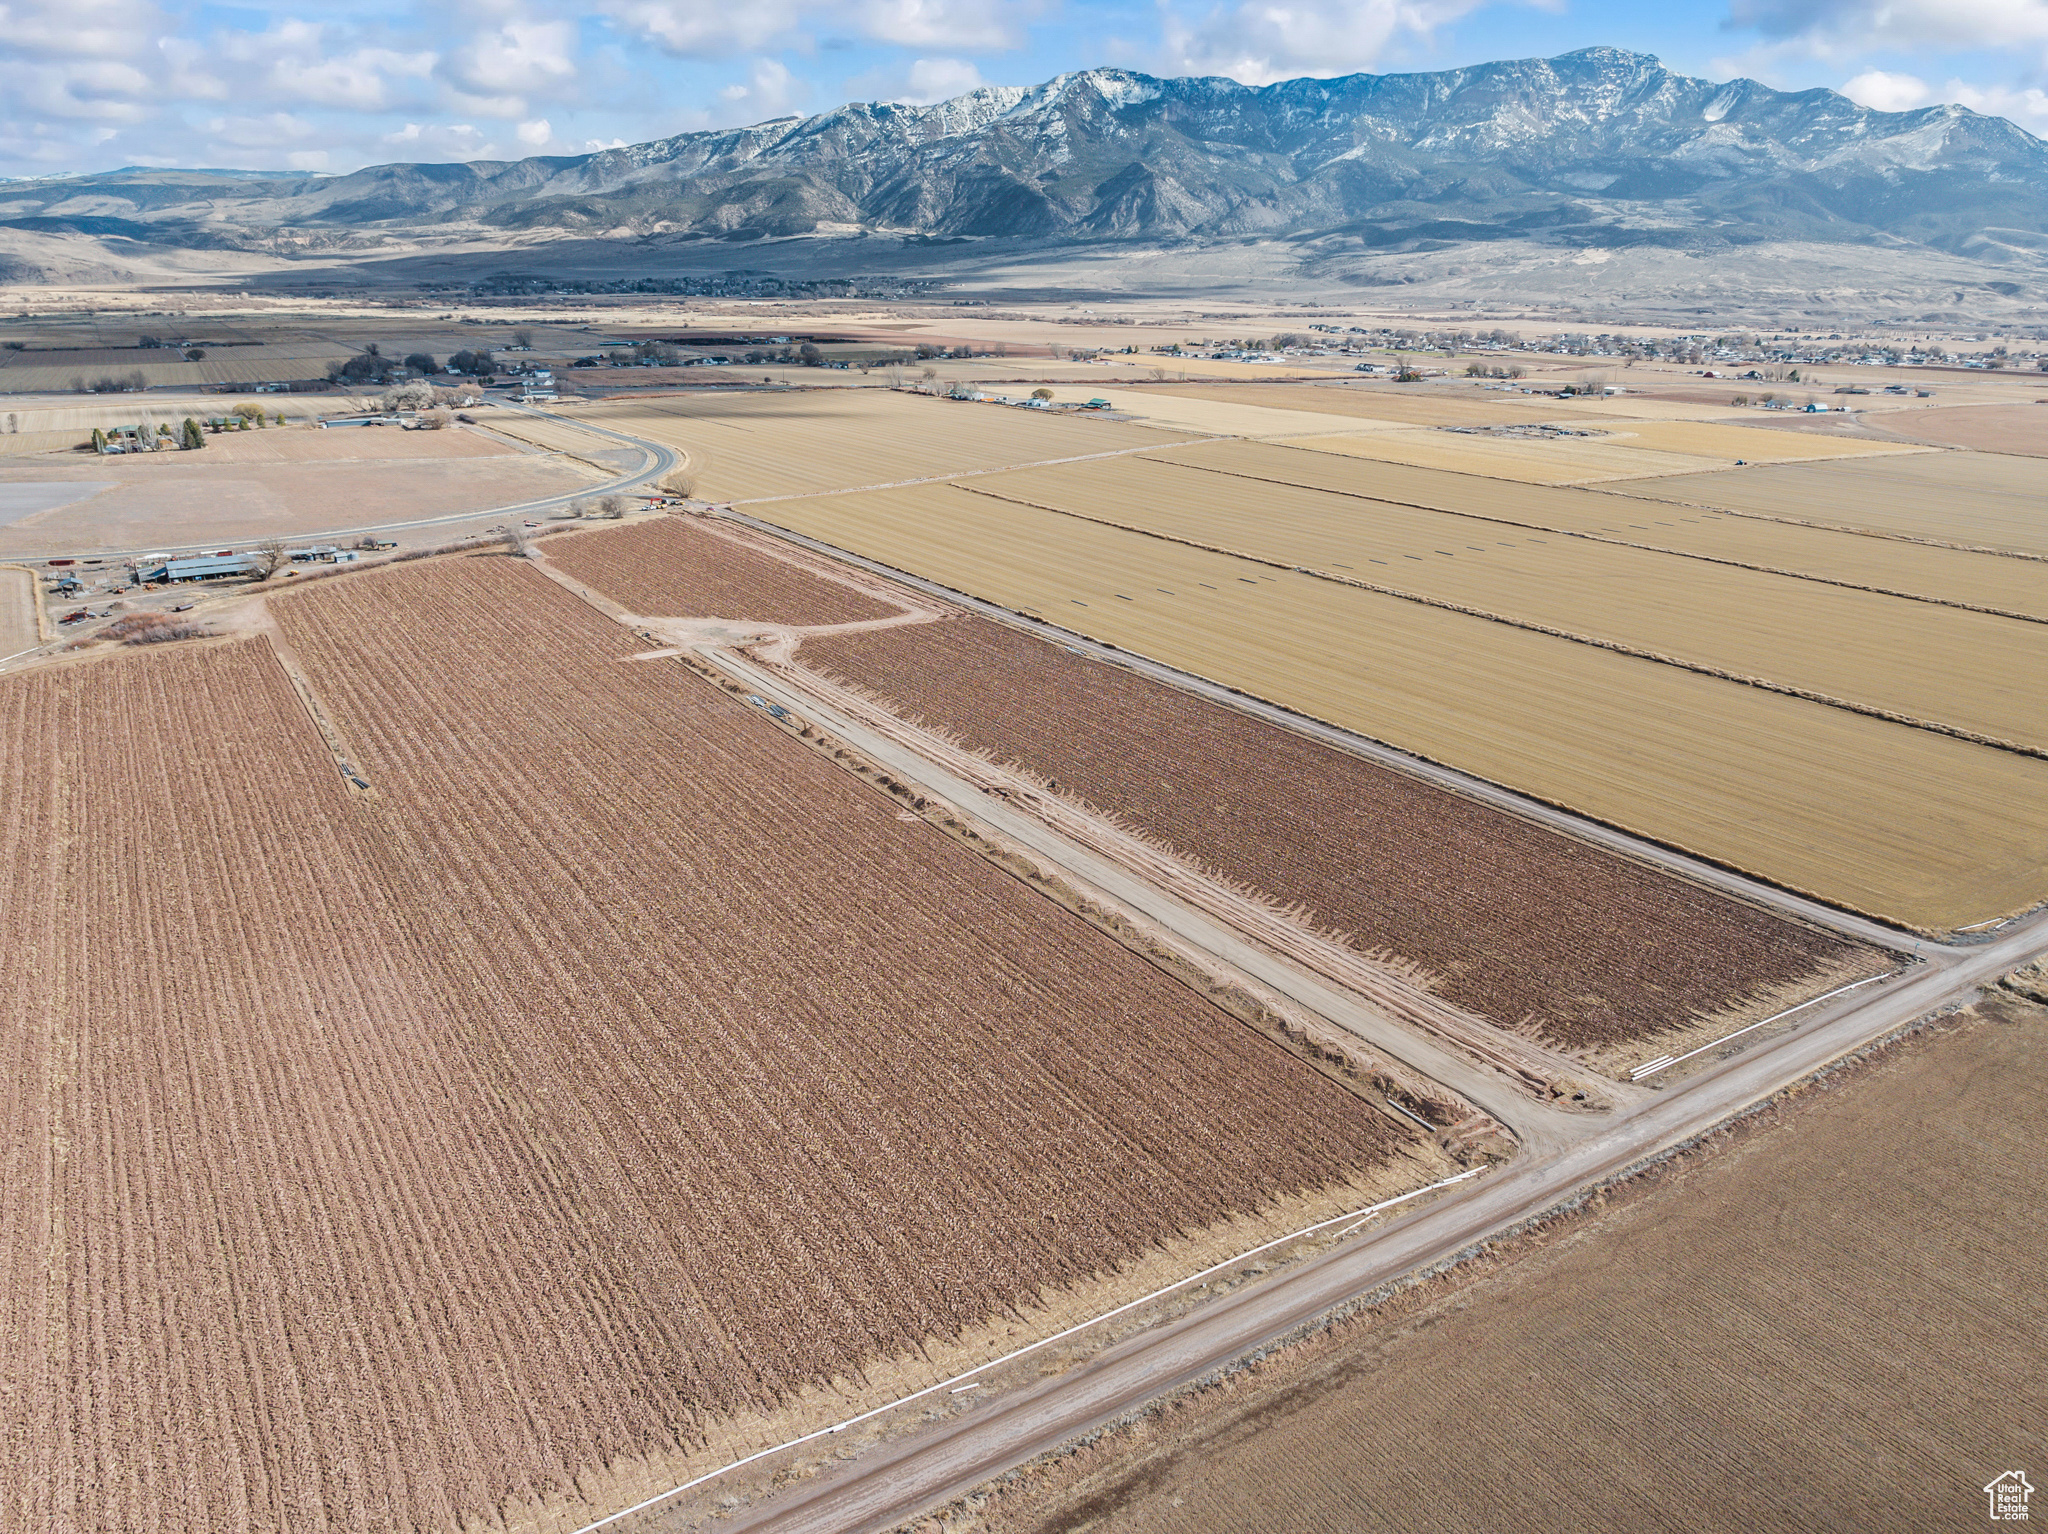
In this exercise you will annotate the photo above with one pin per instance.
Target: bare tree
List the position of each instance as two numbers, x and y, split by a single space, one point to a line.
517 544
267 559
612 507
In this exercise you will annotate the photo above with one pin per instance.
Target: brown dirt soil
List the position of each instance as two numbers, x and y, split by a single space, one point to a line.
175 498
18 600
1517 923
615 1067
2020 429
1830 1321
676 567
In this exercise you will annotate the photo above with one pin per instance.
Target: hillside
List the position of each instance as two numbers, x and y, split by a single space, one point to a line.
1600 149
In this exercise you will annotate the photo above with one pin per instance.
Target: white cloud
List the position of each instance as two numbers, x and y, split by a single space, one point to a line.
2025 105
504 64
1260 41
535 134
306 159
771 90
926 81
1848 28
976 25
1883 92
710 28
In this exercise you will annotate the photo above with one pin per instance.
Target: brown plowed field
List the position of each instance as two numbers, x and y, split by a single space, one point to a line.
373 1159
678 568
2019 429
1832 1323
1518 924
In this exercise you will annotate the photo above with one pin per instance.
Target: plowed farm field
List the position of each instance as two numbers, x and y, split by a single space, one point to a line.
677 568
1919 827
1717 1352
611 1075
745 446
1989 581
1963 670
1510 920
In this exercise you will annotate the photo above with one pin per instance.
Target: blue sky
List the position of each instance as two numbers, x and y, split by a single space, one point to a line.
319 85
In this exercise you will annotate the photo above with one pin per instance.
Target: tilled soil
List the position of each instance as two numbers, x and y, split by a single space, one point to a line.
1829 1321
677 568
614 1065
1516 922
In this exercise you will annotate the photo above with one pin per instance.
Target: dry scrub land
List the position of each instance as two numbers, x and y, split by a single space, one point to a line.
1830 1322
278 483
613 1073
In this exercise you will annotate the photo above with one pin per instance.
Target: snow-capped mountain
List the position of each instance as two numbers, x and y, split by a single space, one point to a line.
1599 146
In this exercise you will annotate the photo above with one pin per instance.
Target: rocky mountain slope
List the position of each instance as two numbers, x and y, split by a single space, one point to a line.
1595 148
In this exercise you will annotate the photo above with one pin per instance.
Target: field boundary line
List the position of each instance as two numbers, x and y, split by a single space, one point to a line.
995 1363
1838 527
1615 646
1627 543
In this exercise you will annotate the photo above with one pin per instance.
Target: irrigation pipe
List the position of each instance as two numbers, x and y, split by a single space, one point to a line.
1357 1215
1664 1063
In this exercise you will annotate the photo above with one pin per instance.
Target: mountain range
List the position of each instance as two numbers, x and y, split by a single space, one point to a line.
1598 148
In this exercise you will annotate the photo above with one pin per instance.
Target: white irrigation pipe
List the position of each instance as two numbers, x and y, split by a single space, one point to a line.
17 655
1664 1063
1359 1215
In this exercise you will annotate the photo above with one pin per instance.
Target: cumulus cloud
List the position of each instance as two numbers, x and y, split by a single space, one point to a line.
535 134
1882 91
1260 41
708 29
1848 28
500 66
969 25
939 80
770 90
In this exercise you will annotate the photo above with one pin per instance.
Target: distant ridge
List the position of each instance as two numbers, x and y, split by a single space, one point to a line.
1598 147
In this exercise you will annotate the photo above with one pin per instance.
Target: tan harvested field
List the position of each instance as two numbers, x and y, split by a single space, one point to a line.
1947 575
1978 500
1534 460
744 446
18 598
1830 1322
672 567
2017 429
1922 828
1511 921
290 482
1964 670
382 1160
1710 439
1395 404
